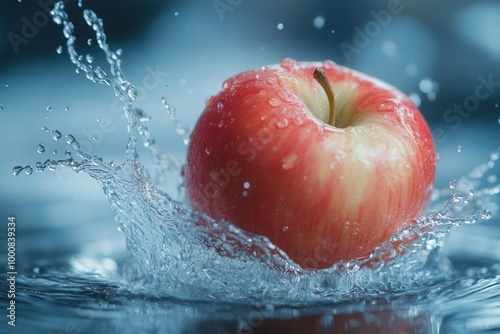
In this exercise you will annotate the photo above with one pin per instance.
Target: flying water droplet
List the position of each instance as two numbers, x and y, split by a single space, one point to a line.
17 170
415 98
57 134
89 41
40 148
1 108
389 48
486 214
459 149
492 178
430 88
89 58
290 161
67 108
49 108
453 184
70 139
280 26
411 70
59 49
132 92
28 170
319 22
426 86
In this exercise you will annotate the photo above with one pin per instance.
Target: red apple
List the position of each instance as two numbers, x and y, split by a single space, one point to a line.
325 161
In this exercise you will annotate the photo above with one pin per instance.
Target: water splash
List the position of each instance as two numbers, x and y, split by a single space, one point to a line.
187 255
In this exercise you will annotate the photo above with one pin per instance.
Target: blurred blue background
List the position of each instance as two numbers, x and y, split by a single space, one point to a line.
437 52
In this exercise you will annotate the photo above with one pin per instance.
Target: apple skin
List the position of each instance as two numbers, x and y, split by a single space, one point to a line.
263 157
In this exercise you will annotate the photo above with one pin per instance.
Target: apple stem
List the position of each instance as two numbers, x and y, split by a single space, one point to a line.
321 78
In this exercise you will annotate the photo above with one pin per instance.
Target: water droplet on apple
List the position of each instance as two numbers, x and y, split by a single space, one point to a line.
459 148
246 185
274 102
298 120
219 106
319 21
283 124
285 228
287 63
245 193
221 124
271 81
290 161
283 82
389 106
453 184
208 150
